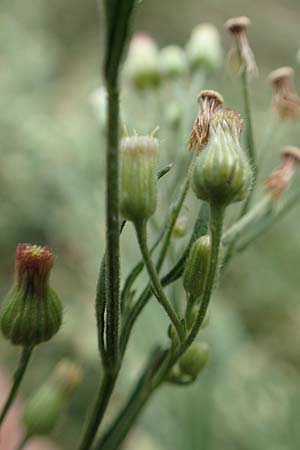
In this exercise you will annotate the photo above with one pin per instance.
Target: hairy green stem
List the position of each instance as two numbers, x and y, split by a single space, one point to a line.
105 391
249 127
141 231
18 377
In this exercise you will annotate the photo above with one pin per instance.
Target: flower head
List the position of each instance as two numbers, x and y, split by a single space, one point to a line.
280 179
209 102
286 103
238 26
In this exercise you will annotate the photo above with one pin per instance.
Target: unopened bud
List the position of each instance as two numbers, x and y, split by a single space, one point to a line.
173 62
238 26
209 102
286 102
281 178
204 50
221 173
32 311
142 64
44 408
180 227
194 359
138 180
173 116
196 267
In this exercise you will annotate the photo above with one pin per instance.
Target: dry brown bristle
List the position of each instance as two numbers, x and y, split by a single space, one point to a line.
237 24
279 74
214 95
293 152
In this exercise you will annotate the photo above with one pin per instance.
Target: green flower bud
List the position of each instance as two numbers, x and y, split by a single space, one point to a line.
32 312
204 49
196 267
180 227
221 174
173 63
142 64
44 408
138 180
194 359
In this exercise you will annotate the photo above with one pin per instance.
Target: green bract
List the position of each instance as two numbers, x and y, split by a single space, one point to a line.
138 180
31 312
222 174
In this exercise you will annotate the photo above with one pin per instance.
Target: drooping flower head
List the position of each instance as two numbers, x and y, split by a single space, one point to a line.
238 26
286 102
281 178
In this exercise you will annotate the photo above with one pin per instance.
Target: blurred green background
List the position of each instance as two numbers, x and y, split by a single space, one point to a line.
52 192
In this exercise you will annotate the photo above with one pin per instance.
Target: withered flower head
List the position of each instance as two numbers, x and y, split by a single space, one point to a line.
237 26
286 103
209 102
280 179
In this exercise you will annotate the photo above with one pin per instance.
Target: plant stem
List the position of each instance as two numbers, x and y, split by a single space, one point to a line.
23 442
149 381
216 225
146 294
105 391
18 376
141 231
249 127
235 231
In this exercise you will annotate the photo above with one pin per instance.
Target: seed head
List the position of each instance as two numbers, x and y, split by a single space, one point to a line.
238 26
209 102
280 179
286 103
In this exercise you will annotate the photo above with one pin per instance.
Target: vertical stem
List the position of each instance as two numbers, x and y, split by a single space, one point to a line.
18 376
249 127
100 406
141 232
112 228
216 225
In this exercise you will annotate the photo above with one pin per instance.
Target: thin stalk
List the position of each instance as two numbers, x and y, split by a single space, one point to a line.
143 391
149 381
141 232
23 442
249 127
18 377
216 225
234 232
146 294
105 391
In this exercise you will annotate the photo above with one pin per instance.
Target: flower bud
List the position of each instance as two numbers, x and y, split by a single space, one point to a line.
173 62
194 359
142 64
32 311
196 267
44 408
173 116
180 227
204 49
221 174
138 180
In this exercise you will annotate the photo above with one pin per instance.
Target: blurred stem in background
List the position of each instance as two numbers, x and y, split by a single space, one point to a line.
18 377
